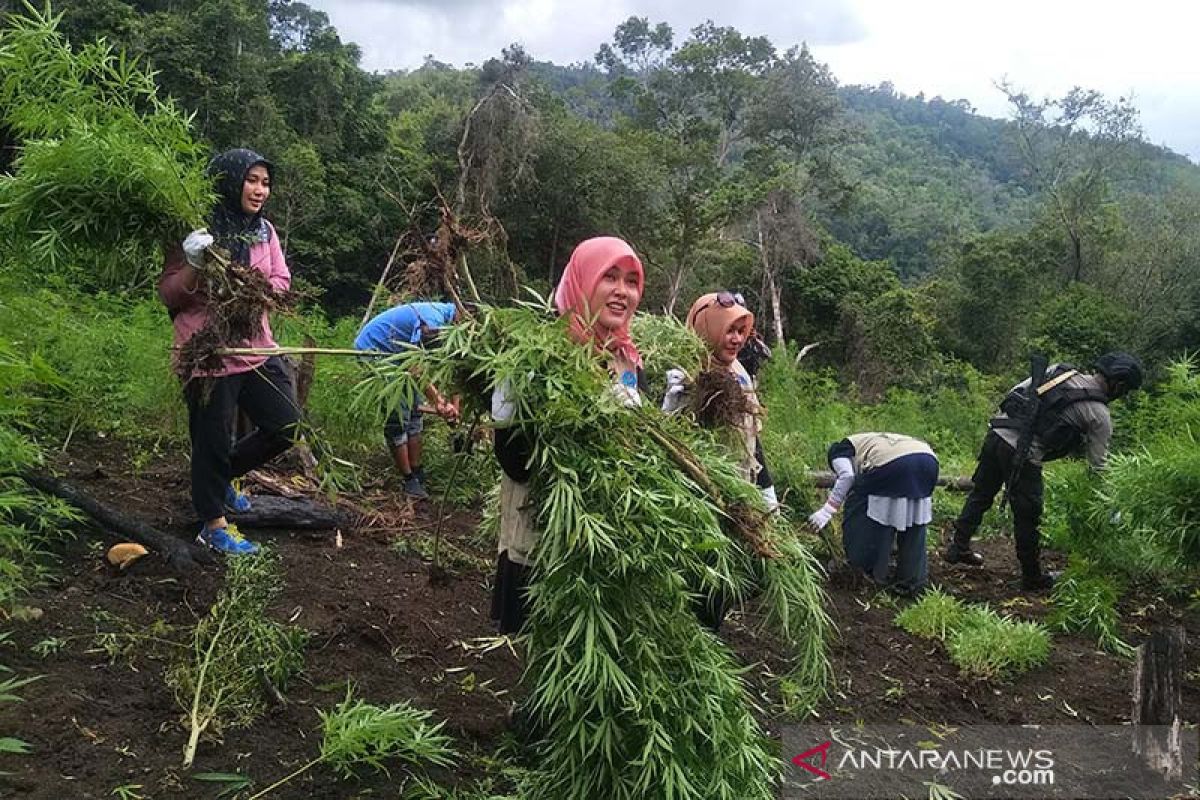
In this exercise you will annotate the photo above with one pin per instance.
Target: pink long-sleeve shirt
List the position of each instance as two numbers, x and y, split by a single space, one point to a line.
189 308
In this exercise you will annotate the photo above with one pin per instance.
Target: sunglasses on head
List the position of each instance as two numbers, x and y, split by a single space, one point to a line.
724 300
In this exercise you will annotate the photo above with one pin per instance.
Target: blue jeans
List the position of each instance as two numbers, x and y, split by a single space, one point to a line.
868 546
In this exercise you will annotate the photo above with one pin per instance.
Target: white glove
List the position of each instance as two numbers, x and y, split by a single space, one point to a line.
194 246
626 395
820 518
768 496
503 407
676 385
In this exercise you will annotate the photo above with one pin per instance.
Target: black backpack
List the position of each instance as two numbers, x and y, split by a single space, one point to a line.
1057 435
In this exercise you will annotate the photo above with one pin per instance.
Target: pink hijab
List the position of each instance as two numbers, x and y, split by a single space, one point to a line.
591 259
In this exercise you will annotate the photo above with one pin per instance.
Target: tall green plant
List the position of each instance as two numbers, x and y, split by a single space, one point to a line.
634 698
108 170
234 650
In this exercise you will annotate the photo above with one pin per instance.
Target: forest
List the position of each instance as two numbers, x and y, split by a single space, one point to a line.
903 258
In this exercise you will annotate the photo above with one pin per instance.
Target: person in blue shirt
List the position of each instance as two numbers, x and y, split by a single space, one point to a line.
400 327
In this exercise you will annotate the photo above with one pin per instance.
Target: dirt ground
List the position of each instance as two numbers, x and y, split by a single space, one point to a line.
375 620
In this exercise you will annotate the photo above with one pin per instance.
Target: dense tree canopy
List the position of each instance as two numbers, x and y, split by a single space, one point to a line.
727 160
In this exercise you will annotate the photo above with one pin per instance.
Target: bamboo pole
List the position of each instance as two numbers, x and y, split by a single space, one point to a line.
382 280
297 351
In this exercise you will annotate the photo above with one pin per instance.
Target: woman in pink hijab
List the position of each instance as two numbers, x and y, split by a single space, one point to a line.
599 292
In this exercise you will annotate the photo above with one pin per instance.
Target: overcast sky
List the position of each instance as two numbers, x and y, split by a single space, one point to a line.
953 48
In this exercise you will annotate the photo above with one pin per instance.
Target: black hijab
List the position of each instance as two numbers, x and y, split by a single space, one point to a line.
233 228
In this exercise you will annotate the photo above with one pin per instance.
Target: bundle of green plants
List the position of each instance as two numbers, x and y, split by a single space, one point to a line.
980 642
637 513
1085 601
356 734
238 655
935 616
108 169
666 343
989 646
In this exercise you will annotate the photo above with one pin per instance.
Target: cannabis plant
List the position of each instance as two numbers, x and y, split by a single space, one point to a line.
357 734
638 513
107 170
1085 601
236 653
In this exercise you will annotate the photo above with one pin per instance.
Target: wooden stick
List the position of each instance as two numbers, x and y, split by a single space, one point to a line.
289 351
382 279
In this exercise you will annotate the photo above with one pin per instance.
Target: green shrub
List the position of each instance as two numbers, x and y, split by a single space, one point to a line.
28 520
934 616
992 647
1085 601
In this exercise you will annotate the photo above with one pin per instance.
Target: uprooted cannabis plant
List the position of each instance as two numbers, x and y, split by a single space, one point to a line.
356 734
638 513
107 169
107 173
238 656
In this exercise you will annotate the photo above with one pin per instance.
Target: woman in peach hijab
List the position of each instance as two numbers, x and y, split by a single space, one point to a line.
723 322
599 291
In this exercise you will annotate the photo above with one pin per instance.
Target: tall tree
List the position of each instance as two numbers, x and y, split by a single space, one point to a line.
1072 146
695 104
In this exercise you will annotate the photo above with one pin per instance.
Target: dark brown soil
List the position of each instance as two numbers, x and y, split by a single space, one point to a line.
376 620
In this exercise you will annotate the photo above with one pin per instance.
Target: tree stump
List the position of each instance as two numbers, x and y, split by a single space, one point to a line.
1158 702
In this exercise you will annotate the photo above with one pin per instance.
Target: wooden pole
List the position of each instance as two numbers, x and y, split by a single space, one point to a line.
1158 702
382 280
952 483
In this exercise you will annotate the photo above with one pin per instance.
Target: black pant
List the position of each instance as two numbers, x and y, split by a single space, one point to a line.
1024 494
268 397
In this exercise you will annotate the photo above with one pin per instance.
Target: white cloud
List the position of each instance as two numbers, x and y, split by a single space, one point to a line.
397 34
959 49
955 48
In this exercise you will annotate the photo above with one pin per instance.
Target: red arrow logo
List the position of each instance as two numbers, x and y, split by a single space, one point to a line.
822 750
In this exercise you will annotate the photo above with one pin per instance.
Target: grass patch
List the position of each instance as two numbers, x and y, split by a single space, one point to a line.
980 642
934 616
993 647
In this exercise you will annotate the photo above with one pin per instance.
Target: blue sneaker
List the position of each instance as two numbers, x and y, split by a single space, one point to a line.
236 502
227 540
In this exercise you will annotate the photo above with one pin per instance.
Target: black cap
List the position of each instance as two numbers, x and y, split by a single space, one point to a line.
1120 368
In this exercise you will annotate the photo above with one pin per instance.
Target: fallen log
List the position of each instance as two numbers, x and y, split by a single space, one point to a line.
953 483
293 513
180 554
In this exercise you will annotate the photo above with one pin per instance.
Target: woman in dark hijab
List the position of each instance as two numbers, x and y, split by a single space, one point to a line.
258 385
